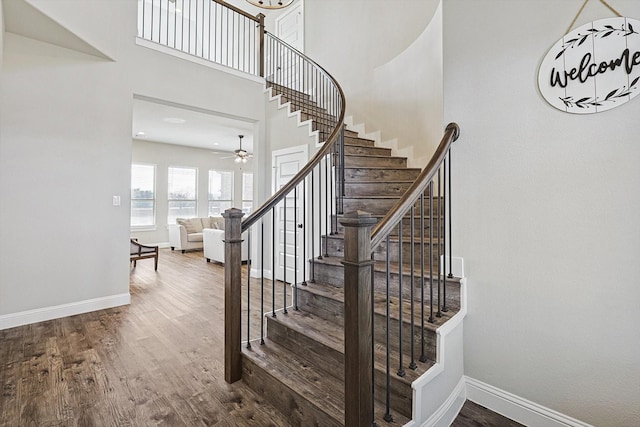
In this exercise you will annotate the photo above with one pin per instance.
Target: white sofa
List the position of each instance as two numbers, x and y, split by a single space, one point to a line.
186 233
213 239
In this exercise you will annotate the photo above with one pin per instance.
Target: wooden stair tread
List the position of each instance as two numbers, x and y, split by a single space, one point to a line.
331 335
296 373
392 238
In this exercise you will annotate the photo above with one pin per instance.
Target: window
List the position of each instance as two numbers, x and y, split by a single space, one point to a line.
143 201
220 191
247 192
182 193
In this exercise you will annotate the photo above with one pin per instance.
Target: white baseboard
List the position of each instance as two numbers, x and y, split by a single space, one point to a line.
517 408
55 312
449 410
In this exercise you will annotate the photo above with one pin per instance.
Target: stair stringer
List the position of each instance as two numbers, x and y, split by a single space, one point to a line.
285 107
438 395
408 152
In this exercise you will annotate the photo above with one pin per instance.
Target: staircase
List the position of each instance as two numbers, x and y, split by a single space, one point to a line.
300 367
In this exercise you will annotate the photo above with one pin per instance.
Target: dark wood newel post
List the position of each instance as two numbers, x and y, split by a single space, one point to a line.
358 339
232 293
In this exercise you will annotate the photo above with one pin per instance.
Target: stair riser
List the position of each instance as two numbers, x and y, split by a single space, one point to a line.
355 150
334 275
406 227
289 402
383 175
377 206
379 188
355 140
335 247
364 161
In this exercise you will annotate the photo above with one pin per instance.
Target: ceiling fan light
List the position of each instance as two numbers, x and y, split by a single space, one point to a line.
237 159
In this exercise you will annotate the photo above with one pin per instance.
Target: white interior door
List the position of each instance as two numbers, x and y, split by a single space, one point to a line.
287 163
290 29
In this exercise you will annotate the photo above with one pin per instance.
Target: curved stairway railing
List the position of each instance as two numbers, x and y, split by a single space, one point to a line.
318 184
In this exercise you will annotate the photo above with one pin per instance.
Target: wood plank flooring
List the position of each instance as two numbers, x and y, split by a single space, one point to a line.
156 362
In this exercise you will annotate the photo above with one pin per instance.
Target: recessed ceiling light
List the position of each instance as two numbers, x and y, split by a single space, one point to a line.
174 120
140 134
216 143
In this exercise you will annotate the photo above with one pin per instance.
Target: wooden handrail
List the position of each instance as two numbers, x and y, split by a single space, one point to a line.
306 169
386 225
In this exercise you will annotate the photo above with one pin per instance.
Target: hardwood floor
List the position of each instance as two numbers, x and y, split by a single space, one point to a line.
158 361
474 415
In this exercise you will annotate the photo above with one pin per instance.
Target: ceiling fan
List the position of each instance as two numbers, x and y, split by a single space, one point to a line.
240 156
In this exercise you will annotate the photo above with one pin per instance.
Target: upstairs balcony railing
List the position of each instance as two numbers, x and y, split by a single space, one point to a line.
210 29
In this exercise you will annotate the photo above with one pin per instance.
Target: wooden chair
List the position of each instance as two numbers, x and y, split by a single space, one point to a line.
140 251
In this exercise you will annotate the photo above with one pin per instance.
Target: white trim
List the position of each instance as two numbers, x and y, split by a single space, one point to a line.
196 59
449 410
517 408
55 312
257 273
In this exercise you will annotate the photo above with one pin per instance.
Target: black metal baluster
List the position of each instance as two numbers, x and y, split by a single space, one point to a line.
216 29
262 280
312 221
373 354
189 19
431 319
450 216
295 248
332 169
209 32
320 206
444 238
412 364
401 371
284 262
439 313
248 288
387 414
304 232
326 206
273 261
423 357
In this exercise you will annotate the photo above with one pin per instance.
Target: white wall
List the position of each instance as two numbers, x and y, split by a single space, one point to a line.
388 62
65 150
164 156
546 216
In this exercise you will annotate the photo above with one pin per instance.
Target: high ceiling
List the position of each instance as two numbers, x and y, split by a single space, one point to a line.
174 124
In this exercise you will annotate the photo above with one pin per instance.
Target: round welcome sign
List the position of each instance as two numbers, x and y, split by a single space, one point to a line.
594 68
